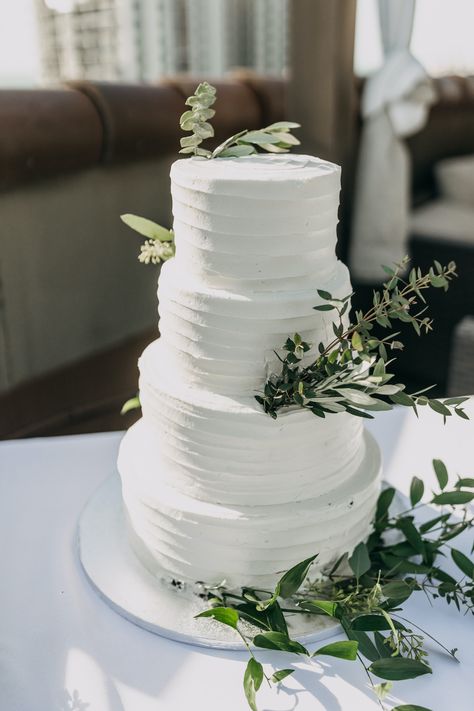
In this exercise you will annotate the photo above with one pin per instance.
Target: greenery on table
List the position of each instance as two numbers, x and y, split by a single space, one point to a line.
349 374
401 558
276 138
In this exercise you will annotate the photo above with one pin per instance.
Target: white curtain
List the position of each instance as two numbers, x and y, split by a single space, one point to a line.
395 104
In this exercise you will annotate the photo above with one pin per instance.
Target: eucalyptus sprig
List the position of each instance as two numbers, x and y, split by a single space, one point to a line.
159 245
196 120
349 373
276 138
368 602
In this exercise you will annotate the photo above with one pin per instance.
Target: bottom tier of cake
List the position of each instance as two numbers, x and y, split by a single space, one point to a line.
177 536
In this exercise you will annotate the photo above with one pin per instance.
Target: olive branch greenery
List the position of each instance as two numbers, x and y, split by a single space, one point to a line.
276 138
349 374
367 601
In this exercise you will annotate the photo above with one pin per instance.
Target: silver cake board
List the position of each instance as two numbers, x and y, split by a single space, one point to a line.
152 603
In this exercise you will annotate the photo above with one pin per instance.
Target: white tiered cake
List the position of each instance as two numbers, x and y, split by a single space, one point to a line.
213 487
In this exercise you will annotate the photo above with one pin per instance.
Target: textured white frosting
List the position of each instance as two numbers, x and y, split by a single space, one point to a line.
212 486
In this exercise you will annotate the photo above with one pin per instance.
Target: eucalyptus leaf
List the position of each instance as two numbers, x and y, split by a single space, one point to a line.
453 498
342 650
282 126
253 678
274 147
237 151
287 138
360 560
441 473
226 615
281 674
397 590
293 579
258 137
278 641
326 607
465 564
417 489
147 228
366 646
324 307
465 483
399 668
410 707
371 622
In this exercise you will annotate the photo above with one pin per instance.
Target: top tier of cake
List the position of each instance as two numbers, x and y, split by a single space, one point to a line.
267 221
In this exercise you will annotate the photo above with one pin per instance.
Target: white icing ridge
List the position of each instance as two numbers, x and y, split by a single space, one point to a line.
213 487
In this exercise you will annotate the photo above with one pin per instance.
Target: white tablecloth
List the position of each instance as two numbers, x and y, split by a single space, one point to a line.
62 648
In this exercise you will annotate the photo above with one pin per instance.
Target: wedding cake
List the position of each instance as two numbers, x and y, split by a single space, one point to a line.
213 488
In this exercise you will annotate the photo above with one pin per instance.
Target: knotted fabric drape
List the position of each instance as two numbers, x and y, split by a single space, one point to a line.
395 104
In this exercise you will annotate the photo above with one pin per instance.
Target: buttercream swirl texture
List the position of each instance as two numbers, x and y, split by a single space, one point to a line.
213 488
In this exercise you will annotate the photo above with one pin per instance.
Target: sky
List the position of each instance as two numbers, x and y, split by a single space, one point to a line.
442 38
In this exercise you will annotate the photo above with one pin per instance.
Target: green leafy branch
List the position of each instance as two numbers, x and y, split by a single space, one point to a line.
367 602
349 373
159 245
276 138
196 120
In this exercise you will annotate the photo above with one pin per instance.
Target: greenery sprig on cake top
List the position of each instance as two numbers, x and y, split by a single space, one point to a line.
401 558
276 138
349 374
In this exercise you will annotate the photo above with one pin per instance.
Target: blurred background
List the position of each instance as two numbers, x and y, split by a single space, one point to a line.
90 97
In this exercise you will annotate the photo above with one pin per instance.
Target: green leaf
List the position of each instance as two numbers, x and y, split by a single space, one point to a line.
287 138
131 404
370 623
356 341
410 707
324 307
360 560
279 641
463 562
398 668
276 619
226 615
402 398
384 502
292 580
441 472
237 151
274 147
252 681
148 228
417 489
327 607
453 498
282 126
366 646
258 137
341 650
465 482
190 141
397 590
438 407
281 674
407 527
326 295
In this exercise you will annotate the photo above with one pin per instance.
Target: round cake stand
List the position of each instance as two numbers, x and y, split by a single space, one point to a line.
158 606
